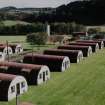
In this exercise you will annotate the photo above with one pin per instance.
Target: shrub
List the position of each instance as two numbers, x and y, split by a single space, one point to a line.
98 36
39 38
93 30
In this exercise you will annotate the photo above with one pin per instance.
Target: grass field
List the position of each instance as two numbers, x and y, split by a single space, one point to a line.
81 84
12 23
12 39
22 40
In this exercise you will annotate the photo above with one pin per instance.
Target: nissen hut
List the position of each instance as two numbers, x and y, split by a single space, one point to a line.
55 63
75 56
87 50
100 42
6 50
94 46
11 85
16 48
34 74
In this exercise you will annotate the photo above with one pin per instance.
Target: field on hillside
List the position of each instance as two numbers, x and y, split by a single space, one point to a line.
22 40
12 39
12 23
81 84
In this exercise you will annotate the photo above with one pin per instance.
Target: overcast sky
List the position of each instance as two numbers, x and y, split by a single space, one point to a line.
33 3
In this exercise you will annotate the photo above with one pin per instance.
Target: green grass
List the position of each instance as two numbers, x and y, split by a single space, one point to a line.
12 23
22 40
12 39
81 84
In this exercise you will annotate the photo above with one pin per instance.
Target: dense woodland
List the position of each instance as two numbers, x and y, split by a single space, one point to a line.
89 12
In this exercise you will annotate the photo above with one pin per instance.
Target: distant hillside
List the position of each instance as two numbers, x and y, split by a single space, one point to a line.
12 23
12 9
8 8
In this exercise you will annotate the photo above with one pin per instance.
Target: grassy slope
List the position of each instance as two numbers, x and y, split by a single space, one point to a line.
22 40
12 39
11 22
82 84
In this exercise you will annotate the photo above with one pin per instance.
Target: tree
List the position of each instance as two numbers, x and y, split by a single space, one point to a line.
37 38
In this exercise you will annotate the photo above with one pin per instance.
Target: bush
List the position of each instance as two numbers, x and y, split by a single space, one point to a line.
93 30
39 38
98 36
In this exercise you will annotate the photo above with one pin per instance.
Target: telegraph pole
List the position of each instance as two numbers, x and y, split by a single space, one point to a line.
7 51
32 53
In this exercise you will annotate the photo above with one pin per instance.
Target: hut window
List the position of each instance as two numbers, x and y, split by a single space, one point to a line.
0 56
46 72
22 84
67 62
40 76
9 50
63 64
19 48
12 89
5 51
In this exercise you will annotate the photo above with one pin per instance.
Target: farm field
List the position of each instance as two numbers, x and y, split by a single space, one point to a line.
22 40
12 23
81 84
12 39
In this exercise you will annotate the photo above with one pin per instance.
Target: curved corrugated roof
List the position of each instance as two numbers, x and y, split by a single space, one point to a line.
7 77
45 56
74 46
77 43
25 67
63 50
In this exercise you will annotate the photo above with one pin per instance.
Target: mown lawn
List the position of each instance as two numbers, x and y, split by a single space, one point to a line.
9 38
22 40
12 23
81 84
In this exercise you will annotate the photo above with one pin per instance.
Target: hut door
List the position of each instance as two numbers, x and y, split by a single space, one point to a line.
44 76
19 49
65 65
18 88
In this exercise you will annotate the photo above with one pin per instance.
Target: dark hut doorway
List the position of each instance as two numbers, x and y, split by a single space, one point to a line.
19 49
44 76
18 88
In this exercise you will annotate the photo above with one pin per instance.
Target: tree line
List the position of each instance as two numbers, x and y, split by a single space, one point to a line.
56 28
21 29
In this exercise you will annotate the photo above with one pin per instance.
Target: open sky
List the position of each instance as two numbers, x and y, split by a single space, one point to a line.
33 3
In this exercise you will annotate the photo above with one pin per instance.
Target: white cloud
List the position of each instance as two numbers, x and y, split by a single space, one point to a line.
33 3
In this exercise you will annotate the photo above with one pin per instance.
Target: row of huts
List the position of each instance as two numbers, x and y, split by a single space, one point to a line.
9 49
35 68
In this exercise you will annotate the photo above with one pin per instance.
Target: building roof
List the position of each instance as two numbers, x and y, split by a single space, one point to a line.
46 56
65 50
75 46
6 77
25 67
